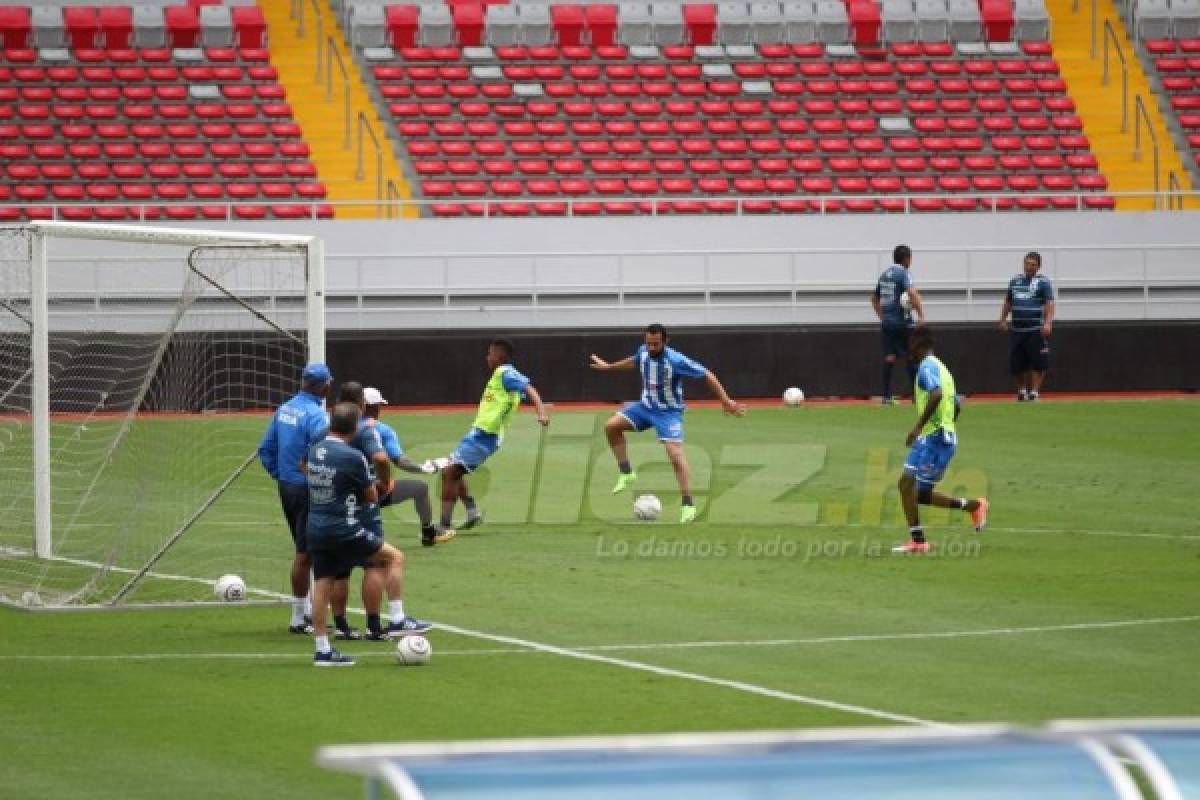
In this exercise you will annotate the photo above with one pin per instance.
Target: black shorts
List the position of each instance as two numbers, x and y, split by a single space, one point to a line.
337 559
1028 351
294 499
895 341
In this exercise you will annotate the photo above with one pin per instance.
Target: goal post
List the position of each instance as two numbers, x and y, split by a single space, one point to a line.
139 363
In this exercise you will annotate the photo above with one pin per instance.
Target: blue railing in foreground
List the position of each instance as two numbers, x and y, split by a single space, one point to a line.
1065 760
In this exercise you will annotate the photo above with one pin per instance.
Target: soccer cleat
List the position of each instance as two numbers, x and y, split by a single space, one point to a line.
376 636
911 547
887 400
1022 396
979 515
686 514
304 629
438 536
348 634
624 481
407 627
332 659
1033 397
474 520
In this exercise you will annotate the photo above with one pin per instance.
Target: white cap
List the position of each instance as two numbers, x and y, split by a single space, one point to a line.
372 397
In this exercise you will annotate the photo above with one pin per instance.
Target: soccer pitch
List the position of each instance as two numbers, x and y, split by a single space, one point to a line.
780 608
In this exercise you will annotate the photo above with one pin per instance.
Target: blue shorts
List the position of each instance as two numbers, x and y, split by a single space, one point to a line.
929 456
474 449
667 423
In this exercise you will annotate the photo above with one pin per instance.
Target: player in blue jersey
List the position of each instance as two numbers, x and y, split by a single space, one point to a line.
341 488
933 440
660 407
296 425
1030 300
368 440
894 293
417 491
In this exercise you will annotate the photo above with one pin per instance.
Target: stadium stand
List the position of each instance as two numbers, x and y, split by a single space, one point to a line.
1172 61
147 112
866 109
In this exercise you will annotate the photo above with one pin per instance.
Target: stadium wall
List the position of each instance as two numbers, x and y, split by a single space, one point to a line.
413 368
766 302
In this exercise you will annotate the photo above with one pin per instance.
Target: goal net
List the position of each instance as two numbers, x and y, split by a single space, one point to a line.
138 367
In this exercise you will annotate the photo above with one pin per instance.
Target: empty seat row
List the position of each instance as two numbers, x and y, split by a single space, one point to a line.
1165 19
118 213
665 23
120 26
583 208
151 151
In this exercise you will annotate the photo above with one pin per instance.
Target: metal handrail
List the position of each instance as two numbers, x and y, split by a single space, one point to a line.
364 124
332 54
298 15
1174 192
1110 33
394 195
1140 114
1093 25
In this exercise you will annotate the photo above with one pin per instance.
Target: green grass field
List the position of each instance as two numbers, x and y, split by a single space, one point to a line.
780 608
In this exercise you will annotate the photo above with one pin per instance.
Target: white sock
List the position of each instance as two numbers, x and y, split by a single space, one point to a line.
297 610
396 610
323 644
308 606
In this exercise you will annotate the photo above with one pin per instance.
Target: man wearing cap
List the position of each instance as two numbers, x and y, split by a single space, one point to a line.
417 491
297 425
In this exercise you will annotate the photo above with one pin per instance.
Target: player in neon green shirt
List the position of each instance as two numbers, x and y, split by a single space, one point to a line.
501 398
933 441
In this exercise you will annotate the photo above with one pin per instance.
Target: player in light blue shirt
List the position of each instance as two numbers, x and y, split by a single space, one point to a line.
661 406
894 287
296 425
1030 299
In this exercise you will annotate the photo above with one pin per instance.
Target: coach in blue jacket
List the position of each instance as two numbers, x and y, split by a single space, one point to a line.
296 426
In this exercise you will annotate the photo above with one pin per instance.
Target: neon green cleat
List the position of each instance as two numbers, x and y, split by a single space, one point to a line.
624 481
686 514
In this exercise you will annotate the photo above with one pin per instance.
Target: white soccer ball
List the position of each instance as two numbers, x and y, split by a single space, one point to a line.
647 507
413 651
793 396
230 588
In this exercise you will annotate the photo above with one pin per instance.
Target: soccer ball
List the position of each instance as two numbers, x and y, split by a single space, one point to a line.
230 588
413 651
647 507
793 396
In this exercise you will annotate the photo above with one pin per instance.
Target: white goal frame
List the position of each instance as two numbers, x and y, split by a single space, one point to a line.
42 233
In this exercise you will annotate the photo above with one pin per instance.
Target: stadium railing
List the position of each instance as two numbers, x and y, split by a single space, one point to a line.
392 206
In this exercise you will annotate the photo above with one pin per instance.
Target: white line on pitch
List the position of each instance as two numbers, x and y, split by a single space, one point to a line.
666 672
883 637
526 649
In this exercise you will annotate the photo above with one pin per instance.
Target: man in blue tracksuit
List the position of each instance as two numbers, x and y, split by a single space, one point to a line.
296 426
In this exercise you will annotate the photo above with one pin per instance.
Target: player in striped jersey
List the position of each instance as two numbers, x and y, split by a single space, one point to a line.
661 407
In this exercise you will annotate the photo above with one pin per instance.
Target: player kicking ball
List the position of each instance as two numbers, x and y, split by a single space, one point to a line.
501 398
661 407
933 441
